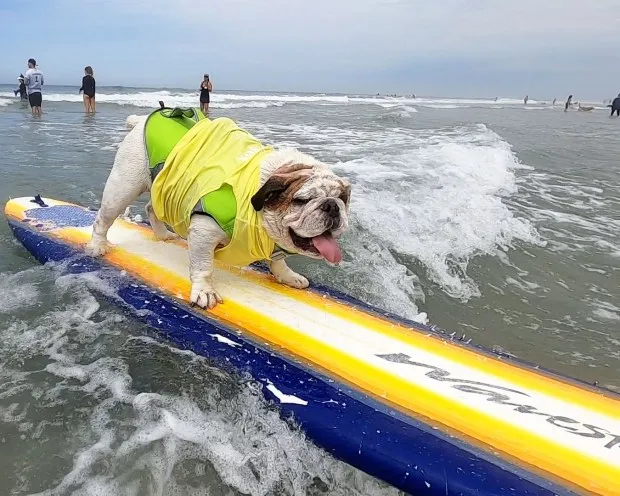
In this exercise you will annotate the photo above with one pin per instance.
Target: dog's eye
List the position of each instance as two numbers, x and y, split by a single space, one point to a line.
299 201
344 197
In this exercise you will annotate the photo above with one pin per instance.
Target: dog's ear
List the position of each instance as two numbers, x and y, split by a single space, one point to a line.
286 178
346 192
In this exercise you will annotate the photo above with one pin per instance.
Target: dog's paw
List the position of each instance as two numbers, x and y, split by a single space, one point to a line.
167 236
96 249
293 279
204 295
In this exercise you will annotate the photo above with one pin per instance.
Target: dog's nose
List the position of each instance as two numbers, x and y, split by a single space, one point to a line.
331 208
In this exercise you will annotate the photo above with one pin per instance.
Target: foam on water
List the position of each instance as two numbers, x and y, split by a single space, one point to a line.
224 100
406 105
444 106
17 292
434 197
444 202
606 310
99 409
577 215
149 99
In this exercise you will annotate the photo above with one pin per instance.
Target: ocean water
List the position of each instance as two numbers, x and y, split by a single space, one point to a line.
493 219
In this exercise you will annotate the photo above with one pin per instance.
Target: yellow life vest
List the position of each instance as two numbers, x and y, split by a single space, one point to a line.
211 155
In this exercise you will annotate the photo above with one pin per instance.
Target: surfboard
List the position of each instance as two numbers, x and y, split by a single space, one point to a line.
407 403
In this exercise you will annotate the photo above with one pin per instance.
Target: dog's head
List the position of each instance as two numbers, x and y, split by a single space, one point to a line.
305 208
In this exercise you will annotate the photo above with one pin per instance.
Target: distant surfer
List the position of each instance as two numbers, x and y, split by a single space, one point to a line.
22 88
615 106
526 99
568 102
583 108
554 102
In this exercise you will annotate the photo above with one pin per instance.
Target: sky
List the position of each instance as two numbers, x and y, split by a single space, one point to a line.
467 48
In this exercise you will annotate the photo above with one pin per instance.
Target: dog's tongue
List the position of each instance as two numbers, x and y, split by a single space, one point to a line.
328 248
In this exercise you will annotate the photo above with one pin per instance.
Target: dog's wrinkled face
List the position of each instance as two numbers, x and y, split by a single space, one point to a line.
305 209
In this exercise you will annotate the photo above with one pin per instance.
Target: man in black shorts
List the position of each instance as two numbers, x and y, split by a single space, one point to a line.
34 81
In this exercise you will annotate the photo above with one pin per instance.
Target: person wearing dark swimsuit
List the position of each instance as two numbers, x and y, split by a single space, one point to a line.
23 94
205 94
88 87
615 106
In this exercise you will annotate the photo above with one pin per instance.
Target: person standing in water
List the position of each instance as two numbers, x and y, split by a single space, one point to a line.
526 99
23 94
88 87
205 94
34 81
615 106
554 102
568 102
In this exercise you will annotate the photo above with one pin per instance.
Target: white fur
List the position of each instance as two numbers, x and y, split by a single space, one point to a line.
133 120
130 177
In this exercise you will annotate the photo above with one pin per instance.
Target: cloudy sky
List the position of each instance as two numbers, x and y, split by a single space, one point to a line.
544 48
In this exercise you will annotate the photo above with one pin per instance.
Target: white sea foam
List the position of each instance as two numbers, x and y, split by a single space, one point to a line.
17 292
441 203
227 100
150 99
139 416
443 106
432 196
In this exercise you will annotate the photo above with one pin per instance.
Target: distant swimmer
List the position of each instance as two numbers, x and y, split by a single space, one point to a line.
568 102
206 87
23 94
88 87
615 106
526 99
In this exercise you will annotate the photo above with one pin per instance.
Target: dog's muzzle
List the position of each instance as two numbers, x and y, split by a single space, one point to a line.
331 208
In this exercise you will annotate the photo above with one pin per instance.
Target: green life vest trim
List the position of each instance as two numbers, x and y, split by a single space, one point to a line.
221 205
164 128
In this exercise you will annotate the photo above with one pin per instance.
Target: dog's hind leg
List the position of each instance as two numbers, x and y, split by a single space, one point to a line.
129 178
116 199
159 228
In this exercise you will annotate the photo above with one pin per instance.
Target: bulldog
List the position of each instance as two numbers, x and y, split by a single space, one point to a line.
231 197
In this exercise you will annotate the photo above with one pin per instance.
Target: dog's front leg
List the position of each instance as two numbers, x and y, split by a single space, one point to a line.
203 237
285 275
